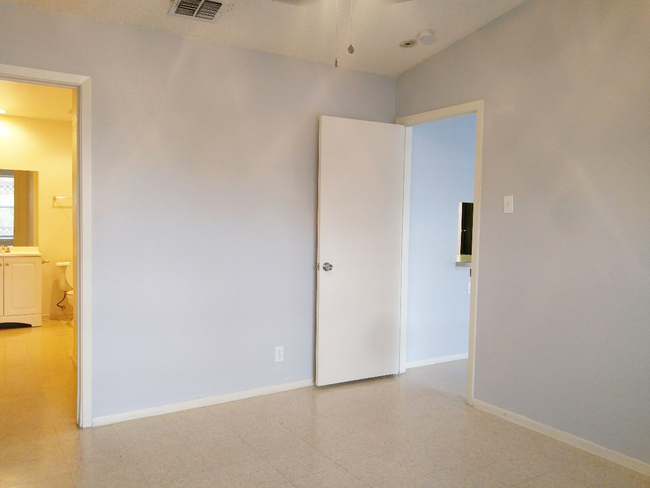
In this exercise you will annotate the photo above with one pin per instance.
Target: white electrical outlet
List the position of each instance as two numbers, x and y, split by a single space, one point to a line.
469 288
279 354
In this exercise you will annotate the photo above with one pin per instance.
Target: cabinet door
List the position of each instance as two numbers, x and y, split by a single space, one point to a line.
22 286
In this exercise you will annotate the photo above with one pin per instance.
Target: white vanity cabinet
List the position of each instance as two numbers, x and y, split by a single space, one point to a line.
21 289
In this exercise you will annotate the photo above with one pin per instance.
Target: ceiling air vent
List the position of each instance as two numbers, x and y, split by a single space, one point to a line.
205 10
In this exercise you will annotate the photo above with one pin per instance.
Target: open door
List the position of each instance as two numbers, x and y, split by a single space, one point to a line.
360 199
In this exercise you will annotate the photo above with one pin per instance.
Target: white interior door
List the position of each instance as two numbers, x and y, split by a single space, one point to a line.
360 199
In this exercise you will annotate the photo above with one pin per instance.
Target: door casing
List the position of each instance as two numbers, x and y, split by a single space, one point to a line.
474 107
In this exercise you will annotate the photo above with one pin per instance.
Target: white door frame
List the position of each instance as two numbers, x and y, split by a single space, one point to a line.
84 250
475 107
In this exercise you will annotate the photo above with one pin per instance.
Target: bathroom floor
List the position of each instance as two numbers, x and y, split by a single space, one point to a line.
397 432
38 389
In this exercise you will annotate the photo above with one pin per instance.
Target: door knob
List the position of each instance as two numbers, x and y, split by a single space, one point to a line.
328 267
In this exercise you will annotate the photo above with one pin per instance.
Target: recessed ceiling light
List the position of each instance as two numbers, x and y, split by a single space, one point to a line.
409 43
2 111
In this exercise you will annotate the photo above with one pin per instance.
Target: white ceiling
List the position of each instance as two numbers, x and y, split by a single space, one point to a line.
36 101
307 28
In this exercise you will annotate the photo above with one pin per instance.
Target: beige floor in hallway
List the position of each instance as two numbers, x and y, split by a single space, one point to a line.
407 431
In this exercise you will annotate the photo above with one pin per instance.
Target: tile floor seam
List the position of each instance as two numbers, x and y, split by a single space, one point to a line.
255 450
33 366
207 468
337 464
548 472
215 471
121 441
317 472
65 458
49 409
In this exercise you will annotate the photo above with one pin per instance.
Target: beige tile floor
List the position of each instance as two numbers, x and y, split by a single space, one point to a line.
407 431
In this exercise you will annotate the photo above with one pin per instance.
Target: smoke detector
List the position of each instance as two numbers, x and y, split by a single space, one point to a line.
205 10
426 37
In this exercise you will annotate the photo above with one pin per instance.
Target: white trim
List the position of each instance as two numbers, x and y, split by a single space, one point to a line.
198 403
429 362
476 107
572 440
83 86
440 114
406 212
476 231
84 252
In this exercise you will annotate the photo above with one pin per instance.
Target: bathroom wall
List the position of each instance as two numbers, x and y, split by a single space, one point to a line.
442 176
563 308
204 202
45 146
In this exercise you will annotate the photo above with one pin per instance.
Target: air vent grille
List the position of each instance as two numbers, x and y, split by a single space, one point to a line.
187 7
205 10
208 10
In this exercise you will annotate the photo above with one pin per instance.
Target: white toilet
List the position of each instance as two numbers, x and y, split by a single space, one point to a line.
65 277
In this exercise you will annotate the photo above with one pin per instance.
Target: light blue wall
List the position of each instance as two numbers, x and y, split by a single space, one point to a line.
562 334
204 202
442 174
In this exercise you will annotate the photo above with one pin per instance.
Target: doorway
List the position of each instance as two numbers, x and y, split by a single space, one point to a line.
54 207
435 276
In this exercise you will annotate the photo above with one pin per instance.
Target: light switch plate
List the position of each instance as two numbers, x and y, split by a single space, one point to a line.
508 204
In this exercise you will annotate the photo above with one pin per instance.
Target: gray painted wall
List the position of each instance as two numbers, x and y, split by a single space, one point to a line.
204 202
563 296
442 175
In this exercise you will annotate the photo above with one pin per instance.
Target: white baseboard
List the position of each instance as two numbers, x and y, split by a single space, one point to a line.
572 440
198 403
429 362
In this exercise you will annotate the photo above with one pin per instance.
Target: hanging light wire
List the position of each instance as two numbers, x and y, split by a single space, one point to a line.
336 41
351 47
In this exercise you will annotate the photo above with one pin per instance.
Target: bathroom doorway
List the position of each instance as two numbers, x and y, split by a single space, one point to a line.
38 140
45 247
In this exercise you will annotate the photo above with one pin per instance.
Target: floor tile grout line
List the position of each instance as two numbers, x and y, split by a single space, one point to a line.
49 410
121 441
262 456
546 473
241 439
338 464
292 432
